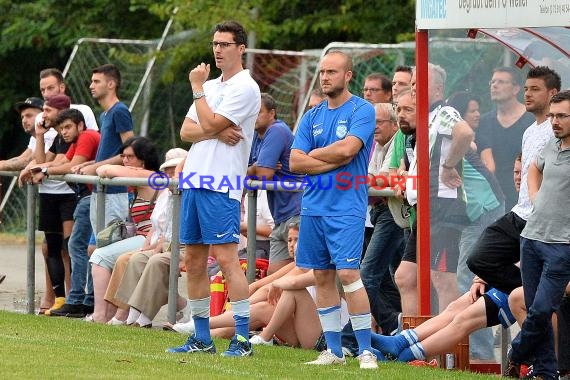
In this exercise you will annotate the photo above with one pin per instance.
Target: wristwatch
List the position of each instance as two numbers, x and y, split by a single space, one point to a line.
45 171
445 166
198 95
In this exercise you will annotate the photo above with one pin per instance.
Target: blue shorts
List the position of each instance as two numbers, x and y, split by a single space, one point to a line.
208 217
330 242
501 300
92 239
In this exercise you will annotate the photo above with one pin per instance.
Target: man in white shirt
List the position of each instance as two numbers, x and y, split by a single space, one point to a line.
220 124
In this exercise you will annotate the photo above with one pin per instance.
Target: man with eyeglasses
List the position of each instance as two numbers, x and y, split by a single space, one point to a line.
377 88
220 124
500 131
545 244
495 256
386 245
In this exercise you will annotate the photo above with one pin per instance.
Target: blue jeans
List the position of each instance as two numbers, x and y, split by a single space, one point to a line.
545 272
383 252
481 341
81 291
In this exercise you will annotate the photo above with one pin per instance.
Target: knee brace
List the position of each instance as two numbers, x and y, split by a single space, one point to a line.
351 288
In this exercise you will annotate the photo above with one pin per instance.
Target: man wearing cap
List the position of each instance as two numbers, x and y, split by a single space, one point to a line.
57 199
28 109
84 143
51 82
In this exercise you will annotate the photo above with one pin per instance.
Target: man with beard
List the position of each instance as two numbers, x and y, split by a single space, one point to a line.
28 109
334 139
496 254
57 198
404 153
545 245
84 143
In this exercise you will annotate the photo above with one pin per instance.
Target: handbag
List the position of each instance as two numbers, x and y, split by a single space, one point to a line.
115 231
119 229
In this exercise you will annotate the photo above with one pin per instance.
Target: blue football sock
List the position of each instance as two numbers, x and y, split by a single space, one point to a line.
241 317
392 346
202 332
414 352
330 321
201 316
361 327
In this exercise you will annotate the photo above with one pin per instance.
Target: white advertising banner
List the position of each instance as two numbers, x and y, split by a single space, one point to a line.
466 14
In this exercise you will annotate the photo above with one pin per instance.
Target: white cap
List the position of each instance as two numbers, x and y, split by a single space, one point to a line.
173 157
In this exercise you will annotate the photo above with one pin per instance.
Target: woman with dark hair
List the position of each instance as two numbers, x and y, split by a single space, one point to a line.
140 159
467 104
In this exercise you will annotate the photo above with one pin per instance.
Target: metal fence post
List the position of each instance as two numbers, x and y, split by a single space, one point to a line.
251 235
100 212
31 238
174 257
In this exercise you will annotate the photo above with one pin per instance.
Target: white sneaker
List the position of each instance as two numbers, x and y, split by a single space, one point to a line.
367 360
257 339
116 322
185 328
328 358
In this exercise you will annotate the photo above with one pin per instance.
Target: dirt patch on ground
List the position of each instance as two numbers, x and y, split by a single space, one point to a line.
9 238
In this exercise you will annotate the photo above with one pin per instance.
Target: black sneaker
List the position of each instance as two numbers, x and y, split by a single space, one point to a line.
88 309
70 311
321 343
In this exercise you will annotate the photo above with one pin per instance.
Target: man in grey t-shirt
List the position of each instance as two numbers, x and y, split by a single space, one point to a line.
545 244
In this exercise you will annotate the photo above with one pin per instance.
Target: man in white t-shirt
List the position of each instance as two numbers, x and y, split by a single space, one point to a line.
220 124
52 83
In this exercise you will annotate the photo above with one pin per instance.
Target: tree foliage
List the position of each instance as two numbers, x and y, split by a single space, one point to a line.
40 34
291 24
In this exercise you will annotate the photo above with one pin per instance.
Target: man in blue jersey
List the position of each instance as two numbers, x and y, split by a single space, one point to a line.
269 161
332 147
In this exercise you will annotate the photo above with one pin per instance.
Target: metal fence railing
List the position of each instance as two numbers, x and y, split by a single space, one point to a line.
251 188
